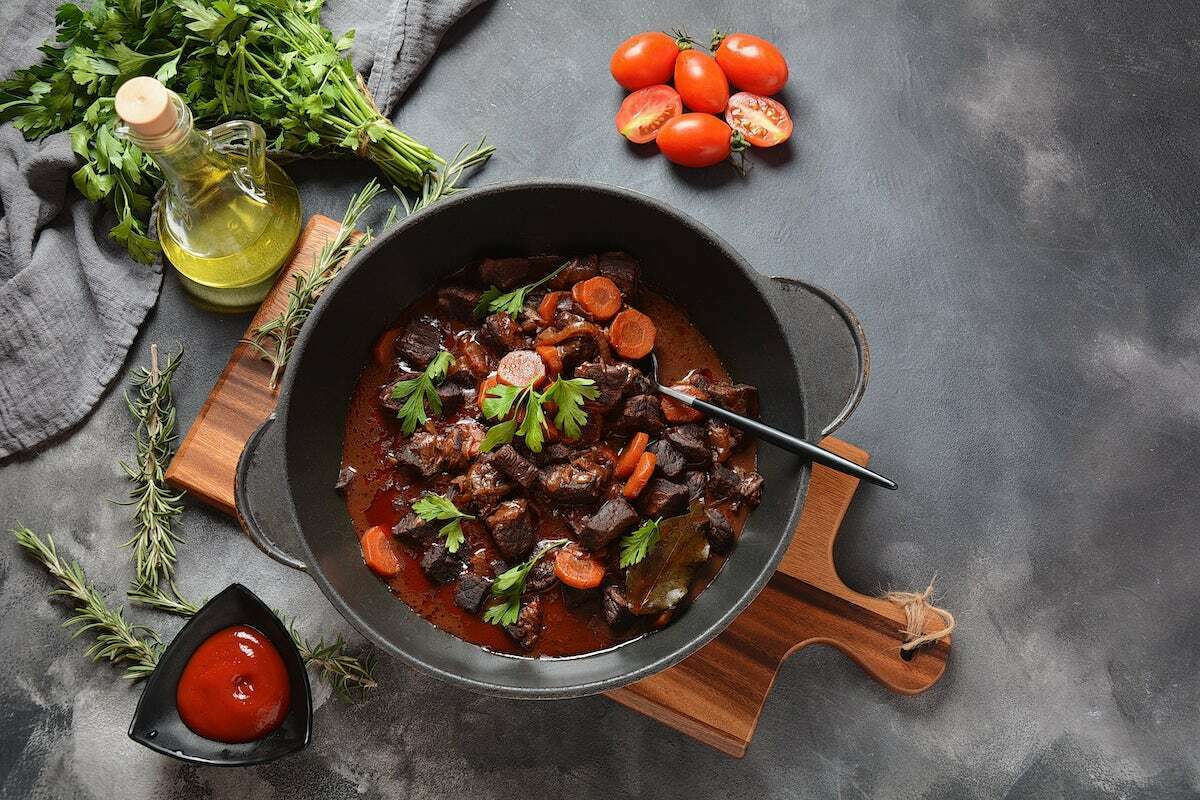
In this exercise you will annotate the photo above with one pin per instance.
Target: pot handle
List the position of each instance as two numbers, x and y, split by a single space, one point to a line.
827 342
260 492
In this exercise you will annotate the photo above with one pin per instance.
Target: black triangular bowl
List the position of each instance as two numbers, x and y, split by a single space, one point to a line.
156 722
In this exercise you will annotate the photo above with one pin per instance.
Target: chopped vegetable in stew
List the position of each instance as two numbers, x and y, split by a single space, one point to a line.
513 475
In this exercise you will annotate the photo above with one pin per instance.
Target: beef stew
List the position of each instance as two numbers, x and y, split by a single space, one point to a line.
485 436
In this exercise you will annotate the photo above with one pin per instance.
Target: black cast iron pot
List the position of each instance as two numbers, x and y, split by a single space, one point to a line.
800 345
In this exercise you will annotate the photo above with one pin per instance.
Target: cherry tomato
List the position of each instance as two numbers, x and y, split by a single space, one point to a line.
695 140
644 112
644 60
762 121
751 63
700 82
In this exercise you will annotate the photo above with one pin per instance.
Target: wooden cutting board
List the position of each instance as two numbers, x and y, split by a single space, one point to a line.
715 695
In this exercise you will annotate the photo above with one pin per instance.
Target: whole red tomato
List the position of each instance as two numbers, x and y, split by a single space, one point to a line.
751 63
695 140
700 82
644 60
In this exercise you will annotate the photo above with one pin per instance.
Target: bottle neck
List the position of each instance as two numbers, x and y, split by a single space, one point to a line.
184 155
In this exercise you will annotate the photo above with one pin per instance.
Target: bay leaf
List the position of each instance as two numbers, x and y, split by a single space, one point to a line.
663 578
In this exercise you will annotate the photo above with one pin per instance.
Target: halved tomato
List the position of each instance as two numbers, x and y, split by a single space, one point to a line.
645 111
762 121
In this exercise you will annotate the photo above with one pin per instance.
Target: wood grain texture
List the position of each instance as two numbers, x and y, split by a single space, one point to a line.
242 398
717 694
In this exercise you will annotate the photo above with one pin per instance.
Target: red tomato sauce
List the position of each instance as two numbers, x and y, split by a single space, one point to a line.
234 688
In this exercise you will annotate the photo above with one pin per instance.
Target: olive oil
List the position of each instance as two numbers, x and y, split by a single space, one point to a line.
229 218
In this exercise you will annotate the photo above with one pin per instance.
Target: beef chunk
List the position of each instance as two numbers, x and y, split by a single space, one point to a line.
450 449
575 598
504 273
419 453
617 610
739 398
345 475
414 529
579 269
582 481
718 530
440 564
512 529
385 392
669 462
750 488
520 469
641 413
575 351
691 441
613 381
661 498
501 334
622 269
471 591
723 483
553 454
484 485
528 627
697 481
472 362
458 302
459 443
723 439
542 576
451 398
421 341
613 519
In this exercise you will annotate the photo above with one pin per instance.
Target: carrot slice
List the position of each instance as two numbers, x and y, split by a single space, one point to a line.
641 475
598 296
521 368
484 387
551 357
630 455
632 334
577 569
676 411
549 305
385 348
379 553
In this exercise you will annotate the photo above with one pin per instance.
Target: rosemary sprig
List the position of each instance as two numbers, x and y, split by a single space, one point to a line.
117 640
437 185
156 507
170 602
274 339
345 673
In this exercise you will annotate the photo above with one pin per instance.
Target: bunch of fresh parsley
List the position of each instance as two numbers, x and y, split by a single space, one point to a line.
567 395
269 60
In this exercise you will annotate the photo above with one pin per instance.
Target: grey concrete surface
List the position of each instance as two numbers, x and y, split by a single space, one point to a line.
1006 193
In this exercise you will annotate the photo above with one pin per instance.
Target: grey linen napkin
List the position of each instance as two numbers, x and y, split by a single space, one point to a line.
71 301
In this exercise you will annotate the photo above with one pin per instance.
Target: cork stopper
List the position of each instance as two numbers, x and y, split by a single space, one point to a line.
145 105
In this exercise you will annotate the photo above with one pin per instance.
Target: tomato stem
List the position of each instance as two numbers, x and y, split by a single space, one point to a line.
681 38
717 38
738 145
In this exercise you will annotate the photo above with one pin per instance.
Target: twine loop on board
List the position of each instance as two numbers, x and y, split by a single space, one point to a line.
915 605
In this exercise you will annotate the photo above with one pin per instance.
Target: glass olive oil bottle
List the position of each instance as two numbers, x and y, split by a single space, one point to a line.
229 217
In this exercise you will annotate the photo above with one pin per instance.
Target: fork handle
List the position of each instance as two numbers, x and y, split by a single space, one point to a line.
781 439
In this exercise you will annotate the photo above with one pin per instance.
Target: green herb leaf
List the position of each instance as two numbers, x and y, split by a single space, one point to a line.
430 507
635 546
510 585
569 396
498 435
420 390
500 399
511 303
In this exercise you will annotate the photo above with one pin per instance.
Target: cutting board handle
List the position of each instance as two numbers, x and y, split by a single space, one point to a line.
260 489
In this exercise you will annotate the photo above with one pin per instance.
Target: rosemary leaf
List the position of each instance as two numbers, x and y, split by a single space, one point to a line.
170 602
117 640
156 507
347 674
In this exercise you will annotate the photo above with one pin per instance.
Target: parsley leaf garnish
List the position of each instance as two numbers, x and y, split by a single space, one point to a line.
567 395
510 585
416 391
432 507
635 546
511 303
